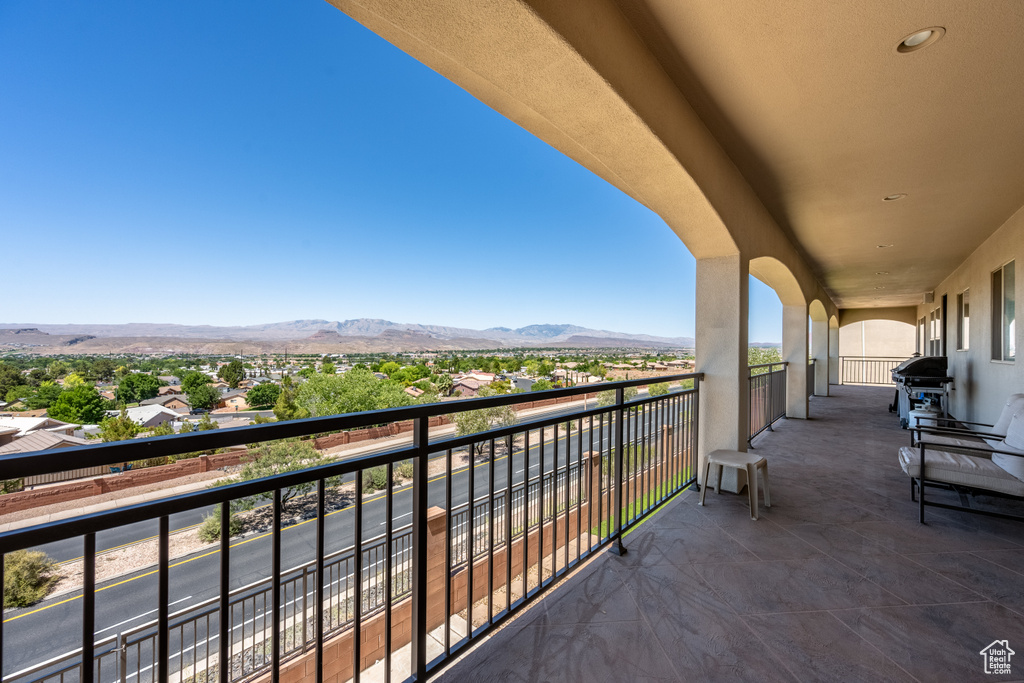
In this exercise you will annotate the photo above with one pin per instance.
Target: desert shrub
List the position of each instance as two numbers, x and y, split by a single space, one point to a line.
403 470
10 486
28 576
209 529
375 478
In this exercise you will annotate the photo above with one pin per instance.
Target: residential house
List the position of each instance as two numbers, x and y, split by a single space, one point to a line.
41 440
149 416
233 400
26 425
170 390
466 386
176 402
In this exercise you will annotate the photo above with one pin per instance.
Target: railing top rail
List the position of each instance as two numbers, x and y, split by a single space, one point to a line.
766 365
899 358
94 455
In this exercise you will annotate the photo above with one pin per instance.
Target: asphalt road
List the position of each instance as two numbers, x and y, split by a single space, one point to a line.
39 633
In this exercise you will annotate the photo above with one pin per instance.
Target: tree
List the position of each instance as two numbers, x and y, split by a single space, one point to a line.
273 458
759 355
232 373
328 368
286 408
483 419
206 423
57 369
10 377
390 368
81 405
659 389
541 385
44 396
137 387
120 428
607 398
102 370
355 391
444 384
204 396
263 395
193 379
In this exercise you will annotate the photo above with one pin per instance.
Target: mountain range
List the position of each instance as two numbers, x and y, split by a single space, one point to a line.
361 332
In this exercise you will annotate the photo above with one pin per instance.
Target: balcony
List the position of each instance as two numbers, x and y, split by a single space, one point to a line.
836 581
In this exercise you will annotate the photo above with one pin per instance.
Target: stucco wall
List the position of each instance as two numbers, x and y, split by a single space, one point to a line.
982 384
877 338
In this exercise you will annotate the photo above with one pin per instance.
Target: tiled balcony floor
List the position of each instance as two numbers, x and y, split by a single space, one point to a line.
837 581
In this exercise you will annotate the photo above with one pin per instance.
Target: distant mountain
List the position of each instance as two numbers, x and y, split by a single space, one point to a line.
337 331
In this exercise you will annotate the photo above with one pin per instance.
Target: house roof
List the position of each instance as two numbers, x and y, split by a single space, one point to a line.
164 400
415 392
40 441
144 414
24 425
468 383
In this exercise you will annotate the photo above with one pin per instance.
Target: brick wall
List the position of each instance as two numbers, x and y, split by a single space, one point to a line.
61 493
357 435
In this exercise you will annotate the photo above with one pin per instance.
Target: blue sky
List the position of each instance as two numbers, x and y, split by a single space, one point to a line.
238 163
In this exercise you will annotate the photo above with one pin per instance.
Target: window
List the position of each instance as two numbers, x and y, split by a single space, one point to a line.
1004 343
963 320
922 336
934 332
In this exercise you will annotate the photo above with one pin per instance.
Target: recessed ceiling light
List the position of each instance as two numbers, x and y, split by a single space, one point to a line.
920 39
881 272
894 197
879 287
883 246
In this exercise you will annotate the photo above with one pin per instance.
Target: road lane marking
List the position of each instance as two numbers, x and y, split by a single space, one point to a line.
122 623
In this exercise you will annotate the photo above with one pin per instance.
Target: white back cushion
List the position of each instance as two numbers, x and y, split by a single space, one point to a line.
1014 441
1013 405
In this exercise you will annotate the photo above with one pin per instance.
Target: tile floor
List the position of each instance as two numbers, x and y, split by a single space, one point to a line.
837 581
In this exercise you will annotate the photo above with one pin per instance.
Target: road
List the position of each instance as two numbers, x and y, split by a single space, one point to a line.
54 626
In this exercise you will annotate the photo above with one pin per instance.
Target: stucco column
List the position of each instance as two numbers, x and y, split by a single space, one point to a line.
819 351
721 352
794 351
833 353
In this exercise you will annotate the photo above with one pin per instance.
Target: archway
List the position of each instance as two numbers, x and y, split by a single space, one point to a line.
778 276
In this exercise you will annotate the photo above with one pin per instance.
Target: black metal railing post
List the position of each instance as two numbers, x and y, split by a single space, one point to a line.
421 465
224 628
617 547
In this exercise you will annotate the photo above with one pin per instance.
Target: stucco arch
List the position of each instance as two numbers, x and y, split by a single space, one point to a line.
779 277
901 314
817 311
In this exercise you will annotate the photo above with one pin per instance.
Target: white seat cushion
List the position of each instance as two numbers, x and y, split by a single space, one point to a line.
1013 405
958 441
957 468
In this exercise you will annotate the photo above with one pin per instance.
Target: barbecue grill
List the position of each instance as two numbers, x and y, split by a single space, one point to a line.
918 378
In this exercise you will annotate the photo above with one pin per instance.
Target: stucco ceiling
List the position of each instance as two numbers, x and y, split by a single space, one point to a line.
825 117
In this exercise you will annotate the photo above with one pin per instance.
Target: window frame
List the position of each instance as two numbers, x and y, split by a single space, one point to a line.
1004 343
963 320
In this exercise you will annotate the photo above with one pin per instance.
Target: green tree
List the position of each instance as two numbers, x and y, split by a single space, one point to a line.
10 377
102 370
44 396
444 384
232 373
204 396
206 423
74 379
355 391
328 368
390 368
607 398
57 369
541 385
659 389
119 428
483 419
273 458
81 405
758 355
286 408
263 395
137 387
192 380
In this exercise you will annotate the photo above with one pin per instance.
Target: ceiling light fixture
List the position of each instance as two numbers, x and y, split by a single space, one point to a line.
879 287
881 272
920 39
883 246
894 197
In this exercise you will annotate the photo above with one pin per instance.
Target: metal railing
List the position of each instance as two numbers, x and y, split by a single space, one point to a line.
870 370
545 495
767 397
